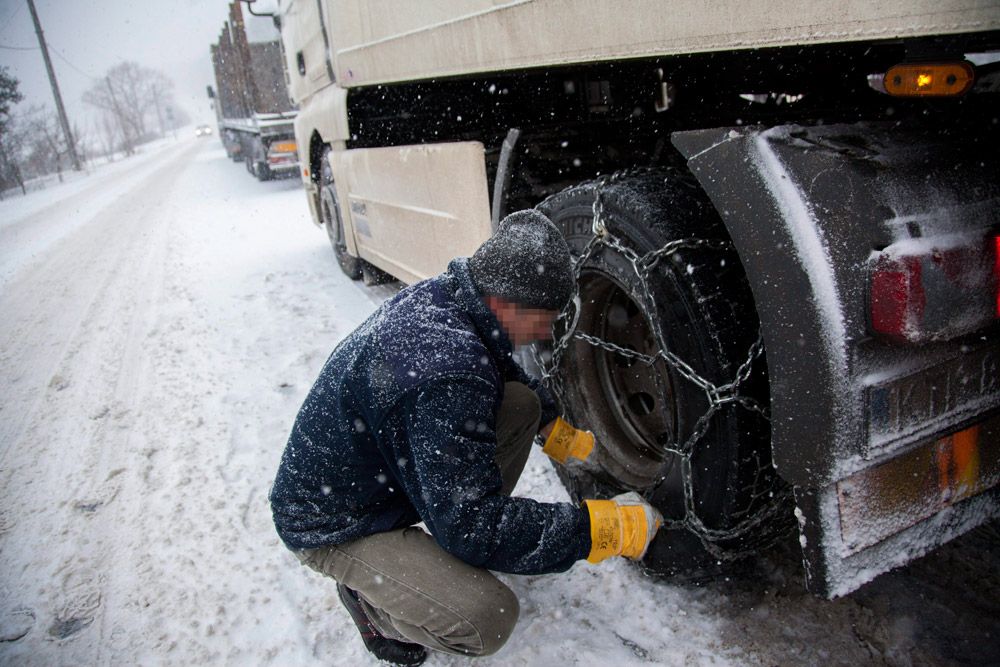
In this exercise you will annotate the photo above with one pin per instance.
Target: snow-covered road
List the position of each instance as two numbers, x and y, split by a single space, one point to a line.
161 320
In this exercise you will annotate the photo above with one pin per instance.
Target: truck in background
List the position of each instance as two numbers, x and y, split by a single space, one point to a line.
254 112
786 219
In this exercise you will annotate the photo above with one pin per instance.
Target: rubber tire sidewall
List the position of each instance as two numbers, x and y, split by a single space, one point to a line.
262 171
686 331
334 224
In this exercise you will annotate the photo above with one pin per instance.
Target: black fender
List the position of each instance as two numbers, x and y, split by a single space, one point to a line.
744 173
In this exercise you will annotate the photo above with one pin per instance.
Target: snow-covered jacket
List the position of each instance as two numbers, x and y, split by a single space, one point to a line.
400 428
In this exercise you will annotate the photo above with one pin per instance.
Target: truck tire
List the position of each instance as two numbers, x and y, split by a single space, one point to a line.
701 309
258 168
333 223
262 171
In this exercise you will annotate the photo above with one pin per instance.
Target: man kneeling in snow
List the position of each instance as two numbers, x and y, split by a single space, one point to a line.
421 414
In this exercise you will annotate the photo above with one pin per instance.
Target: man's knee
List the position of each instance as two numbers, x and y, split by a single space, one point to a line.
520 401
494 619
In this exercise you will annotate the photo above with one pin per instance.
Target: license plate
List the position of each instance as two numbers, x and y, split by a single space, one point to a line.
919 405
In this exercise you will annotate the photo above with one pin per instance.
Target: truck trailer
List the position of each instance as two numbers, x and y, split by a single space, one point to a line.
254 113
785 217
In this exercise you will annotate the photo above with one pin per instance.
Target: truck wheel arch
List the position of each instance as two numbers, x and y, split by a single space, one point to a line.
805 352
318 148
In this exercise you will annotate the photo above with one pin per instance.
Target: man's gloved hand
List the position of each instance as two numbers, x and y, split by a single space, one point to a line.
565 441
622 526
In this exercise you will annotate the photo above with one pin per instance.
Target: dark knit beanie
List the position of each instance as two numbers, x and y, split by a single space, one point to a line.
527 261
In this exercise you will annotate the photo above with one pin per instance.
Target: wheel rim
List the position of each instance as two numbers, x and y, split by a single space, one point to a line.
631 404
328 209
634 389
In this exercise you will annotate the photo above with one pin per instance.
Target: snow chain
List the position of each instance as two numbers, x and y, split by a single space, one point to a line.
745 532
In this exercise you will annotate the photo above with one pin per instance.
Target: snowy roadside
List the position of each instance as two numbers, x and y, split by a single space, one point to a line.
157 340
50 190
30 223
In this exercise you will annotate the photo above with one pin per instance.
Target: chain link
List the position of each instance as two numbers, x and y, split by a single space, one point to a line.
718 396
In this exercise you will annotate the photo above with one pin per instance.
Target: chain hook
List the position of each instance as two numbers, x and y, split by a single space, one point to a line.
597 228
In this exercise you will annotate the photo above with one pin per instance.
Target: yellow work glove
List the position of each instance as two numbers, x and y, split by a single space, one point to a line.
565 441
622 526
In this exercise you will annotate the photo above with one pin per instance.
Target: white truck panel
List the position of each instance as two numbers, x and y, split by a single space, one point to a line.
381 41
411 209
325 115
301 25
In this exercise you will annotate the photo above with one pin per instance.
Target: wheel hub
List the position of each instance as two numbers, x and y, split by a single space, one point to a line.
328 213
630 404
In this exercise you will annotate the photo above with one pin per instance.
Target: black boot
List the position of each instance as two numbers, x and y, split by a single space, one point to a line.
385 649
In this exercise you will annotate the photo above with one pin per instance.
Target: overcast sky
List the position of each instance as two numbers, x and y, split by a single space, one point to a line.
88 37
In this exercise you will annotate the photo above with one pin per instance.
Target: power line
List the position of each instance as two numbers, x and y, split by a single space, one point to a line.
57 52
67 61
10 18
35 110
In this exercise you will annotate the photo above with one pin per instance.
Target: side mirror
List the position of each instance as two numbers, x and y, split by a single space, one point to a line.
249 4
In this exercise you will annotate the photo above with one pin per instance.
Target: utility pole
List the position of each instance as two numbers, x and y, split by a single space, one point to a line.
55 89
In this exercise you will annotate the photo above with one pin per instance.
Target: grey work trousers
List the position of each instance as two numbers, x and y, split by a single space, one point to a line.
412 589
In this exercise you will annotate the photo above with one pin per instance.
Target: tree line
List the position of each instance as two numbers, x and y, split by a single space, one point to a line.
134 104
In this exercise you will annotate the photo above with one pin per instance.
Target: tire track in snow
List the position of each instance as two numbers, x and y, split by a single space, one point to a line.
46 304
99 287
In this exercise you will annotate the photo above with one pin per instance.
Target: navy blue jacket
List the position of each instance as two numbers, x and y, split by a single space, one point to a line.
400 428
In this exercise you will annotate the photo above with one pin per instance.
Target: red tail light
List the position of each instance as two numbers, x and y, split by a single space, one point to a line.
934 289
897 297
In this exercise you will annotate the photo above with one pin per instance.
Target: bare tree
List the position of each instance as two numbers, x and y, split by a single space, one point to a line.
132 95
105 100
159 89
107 134
110 97
82 138
44 146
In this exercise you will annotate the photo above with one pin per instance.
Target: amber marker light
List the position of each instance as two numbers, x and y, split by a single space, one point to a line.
929 79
